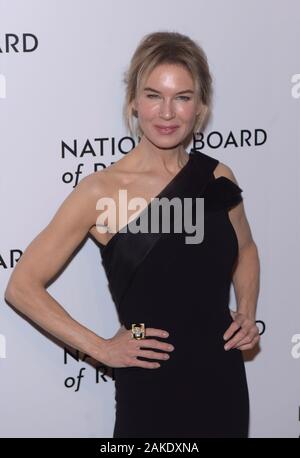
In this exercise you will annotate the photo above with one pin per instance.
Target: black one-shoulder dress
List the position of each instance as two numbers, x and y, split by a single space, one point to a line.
162 281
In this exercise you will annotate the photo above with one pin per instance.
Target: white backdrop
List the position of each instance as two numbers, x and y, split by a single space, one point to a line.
61 96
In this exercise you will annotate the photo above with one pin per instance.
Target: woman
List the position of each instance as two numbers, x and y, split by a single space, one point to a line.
178 353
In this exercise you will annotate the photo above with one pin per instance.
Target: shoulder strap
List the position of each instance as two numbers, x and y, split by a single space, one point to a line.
204 161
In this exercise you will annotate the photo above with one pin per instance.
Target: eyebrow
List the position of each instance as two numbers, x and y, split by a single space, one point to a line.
181 92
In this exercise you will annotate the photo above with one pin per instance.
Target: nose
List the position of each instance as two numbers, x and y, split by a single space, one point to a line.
166 110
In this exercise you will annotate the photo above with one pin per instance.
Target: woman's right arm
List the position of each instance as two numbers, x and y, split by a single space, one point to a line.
43 259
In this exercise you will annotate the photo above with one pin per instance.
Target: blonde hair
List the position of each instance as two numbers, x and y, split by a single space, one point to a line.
172 48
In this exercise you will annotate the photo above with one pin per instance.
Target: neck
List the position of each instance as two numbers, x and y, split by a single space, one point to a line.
151 156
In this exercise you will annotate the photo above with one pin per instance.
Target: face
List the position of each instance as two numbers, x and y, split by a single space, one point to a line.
167 105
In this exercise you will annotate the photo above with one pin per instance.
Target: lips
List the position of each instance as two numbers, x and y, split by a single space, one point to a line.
166 129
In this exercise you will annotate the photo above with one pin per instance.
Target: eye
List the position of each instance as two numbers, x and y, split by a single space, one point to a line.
184 97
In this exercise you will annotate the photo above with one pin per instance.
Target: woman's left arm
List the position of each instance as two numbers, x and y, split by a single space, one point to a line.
245 281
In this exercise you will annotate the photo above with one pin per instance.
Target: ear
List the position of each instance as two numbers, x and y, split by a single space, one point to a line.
134 104
200 108
134 108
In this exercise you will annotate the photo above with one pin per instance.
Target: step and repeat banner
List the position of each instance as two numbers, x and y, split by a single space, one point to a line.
61 98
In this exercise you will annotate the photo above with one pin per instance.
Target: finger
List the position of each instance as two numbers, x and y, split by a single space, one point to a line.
152 343
156 332
250 345
231 330
145 364
247 339
153 354
242 334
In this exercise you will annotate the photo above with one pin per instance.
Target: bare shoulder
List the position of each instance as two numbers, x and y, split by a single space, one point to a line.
106 182
120 174
93 185
224 170
98 184
67 228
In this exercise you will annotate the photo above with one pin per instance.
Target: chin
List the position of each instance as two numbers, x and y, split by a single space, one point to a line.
165 143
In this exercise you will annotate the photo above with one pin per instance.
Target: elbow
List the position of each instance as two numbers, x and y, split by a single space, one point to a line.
14 291
247 246
250 252
11 293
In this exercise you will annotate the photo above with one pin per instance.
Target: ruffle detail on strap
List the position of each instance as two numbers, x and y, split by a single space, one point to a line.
221 193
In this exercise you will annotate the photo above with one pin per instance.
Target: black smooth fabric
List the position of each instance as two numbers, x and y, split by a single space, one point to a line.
159 280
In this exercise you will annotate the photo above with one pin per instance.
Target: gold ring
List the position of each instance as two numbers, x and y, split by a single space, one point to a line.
138 331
